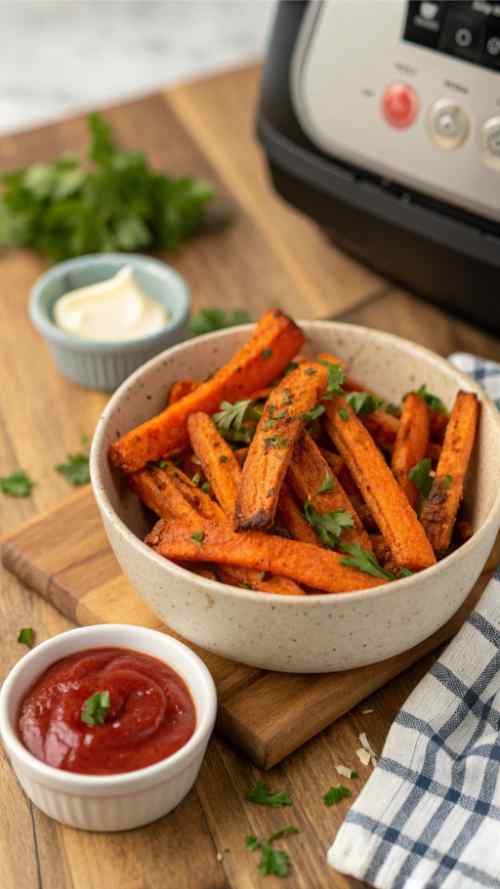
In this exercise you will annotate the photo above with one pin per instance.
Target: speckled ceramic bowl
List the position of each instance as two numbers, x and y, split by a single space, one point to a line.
319 633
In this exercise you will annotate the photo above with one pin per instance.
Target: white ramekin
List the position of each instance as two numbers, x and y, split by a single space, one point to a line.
111 802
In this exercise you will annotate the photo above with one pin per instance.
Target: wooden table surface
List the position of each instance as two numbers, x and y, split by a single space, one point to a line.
270 255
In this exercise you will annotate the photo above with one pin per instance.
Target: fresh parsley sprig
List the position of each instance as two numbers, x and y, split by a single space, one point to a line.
421 476
96 708
432 400
328 525
208 320
17 484
364 403
261 795
231 420
76 470
336 794
272 861
364 561
115 202
336 377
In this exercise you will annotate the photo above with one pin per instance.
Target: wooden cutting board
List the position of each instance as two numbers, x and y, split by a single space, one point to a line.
64 556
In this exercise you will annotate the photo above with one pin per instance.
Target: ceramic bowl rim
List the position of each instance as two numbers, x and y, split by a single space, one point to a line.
51 332
292 602
205 707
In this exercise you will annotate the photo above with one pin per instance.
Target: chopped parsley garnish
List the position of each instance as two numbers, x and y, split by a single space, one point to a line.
205 487
272 861
336 794
363 403
393 409
336 377
266 353
446 482
112 201
231 417
17 484
328 525
261 795
326 485
269 424
198 537
432 400
208 320
288 369
276 441
76 470
196 479
313 414
421 476
26 636
405 572
161 464
364 561
343 414
96 708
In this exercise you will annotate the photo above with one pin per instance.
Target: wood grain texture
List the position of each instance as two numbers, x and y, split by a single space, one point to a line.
271 254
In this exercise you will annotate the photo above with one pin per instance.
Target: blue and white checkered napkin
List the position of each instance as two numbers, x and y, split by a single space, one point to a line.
430 814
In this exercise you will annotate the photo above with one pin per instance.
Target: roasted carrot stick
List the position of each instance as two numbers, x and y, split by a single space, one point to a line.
170 493
441 507
283 586
308 474
181 388
320 568
272 446
291 517
219 463
276 339
411 443
388 504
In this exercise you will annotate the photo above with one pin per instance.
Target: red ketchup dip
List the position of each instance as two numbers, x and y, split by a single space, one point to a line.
150 713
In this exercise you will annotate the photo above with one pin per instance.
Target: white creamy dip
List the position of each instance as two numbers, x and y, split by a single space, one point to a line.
116 309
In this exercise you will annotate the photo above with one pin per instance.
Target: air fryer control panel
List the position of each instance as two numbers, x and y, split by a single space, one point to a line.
410 91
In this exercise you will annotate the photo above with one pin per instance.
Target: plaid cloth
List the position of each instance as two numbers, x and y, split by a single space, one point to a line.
430 814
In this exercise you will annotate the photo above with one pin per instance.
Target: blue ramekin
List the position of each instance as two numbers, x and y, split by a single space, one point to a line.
105 364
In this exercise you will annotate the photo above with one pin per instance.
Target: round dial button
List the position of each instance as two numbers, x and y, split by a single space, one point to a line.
400 105
448 124
490 138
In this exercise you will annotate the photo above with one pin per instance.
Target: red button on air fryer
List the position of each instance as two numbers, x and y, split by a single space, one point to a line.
400 105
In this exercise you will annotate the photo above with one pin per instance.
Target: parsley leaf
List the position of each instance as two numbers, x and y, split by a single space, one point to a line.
313 414
26 636
326 485
432 400
336 377
96 708
198 537
17 484
421 477
343 414
364 561
273 861
196 479
208 320
363 403
231 417
276 441
116 202
76 471
446 482
336 793
328 525
261 795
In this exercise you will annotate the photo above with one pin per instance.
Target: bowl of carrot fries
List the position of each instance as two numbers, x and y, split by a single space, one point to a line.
304 497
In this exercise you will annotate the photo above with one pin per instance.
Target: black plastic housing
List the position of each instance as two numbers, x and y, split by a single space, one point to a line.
441 252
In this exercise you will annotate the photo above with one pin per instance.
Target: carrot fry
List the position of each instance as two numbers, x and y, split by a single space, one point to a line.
388 504
441 507
308 472
283 586
168 492
291 517
181 388
200 502
220 466
276 339
320 568
411 443
383 427
145 485
272 446
334 460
